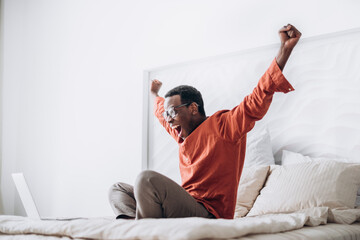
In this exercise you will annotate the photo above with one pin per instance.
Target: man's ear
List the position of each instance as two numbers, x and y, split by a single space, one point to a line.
194 108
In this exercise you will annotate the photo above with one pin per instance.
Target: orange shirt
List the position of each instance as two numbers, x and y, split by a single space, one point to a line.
212 156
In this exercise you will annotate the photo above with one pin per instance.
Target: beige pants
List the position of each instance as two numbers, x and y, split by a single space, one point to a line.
154 196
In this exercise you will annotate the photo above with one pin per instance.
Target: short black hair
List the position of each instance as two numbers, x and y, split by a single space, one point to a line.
188 94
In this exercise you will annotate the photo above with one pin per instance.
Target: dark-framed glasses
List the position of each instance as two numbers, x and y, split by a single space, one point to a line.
171 111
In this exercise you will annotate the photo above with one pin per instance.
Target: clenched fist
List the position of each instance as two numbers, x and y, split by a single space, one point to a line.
289 36
155 87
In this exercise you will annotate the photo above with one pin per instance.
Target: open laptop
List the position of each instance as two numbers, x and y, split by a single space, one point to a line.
28 201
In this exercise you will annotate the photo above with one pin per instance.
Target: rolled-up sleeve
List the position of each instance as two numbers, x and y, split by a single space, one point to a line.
241 119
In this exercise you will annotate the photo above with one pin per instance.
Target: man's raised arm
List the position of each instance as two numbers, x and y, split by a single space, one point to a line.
159 108
242 118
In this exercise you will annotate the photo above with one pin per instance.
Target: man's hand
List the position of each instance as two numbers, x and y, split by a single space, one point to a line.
155 87
289 37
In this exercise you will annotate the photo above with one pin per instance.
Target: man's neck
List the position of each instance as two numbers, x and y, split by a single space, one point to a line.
198 121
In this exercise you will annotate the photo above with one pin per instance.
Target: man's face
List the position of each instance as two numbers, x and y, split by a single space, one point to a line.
182 122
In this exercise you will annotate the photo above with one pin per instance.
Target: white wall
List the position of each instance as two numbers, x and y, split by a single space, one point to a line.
72 81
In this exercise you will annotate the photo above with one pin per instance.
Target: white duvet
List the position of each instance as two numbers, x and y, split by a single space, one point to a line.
181 228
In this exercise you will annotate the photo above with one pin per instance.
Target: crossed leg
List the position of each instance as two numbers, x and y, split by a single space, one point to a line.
154 196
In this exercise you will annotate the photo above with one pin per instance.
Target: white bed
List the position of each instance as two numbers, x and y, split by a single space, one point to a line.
270 205
277 226
320 119
330 231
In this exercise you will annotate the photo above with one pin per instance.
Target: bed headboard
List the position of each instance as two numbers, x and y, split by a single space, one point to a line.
320 118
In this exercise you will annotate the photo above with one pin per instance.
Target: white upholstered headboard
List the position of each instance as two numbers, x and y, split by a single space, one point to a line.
320 118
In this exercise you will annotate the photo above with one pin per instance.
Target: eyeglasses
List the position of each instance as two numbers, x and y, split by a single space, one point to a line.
171 111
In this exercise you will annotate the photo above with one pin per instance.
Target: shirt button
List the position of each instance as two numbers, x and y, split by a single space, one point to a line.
290 89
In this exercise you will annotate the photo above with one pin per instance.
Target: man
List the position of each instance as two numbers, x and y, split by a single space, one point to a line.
211 149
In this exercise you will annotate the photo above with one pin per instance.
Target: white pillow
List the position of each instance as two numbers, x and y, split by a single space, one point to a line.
306 185
258 149
251 181
289 157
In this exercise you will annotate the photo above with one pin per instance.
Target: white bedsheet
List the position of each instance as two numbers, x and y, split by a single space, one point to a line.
329 231
182 228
